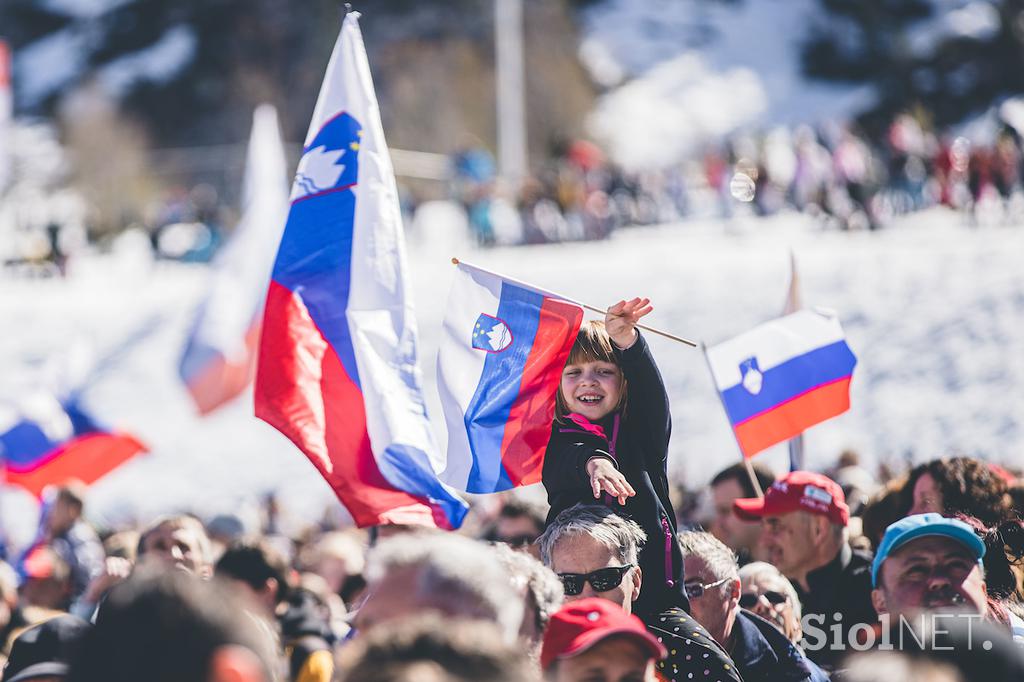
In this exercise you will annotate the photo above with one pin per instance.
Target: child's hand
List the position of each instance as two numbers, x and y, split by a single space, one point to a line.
621 319
604 477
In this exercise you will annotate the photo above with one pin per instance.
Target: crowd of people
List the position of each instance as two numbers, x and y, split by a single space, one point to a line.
804 577
833 172
920 578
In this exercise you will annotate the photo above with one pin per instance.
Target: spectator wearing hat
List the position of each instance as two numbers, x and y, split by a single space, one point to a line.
761 651
740 535
41 653
928 563
804 517
594 639
594 552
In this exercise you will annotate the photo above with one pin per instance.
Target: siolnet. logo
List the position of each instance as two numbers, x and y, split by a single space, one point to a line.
491 334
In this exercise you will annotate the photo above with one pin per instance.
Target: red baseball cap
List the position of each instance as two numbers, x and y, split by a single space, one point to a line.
581 624
796 491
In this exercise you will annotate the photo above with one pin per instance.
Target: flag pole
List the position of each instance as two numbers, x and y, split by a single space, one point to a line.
667 335
746 460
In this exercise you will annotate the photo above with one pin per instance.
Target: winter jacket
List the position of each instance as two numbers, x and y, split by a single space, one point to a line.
636 440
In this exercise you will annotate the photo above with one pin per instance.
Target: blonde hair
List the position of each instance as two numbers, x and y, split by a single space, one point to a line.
592 345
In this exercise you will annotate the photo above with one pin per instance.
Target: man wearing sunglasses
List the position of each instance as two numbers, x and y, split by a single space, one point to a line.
594 552
761 651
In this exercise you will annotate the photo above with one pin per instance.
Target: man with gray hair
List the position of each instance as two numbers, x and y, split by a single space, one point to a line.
442 572
761 651
594 552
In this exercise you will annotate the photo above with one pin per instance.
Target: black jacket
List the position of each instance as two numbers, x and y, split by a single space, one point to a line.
842 586
637 441
762 652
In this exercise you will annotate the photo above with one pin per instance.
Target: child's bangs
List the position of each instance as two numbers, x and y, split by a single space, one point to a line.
592 345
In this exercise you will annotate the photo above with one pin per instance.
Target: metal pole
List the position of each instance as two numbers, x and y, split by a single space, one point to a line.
509 84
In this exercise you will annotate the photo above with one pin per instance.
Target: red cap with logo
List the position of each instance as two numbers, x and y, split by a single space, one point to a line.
581 624
797 491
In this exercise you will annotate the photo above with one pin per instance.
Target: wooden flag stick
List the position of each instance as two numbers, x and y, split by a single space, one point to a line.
456 261
753 477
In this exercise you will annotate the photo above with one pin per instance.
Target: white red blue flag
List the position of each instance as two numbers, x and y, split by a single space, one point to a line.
220 355
500 362
782 377
44 441
338 371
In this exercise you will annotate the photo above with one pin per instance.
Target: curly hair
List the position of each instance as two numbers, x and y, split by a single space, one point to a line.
968 486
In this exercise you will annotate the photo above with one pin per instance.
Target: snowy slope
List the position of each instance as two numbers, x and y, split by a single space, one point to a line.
933 309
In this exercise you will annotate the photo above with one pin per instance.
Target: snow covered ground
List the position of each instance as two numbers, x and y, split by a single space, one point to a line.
933 309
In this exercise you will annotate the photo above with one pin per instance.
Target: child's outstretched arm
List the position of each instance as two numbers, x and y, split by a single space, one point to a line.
620 320
648 397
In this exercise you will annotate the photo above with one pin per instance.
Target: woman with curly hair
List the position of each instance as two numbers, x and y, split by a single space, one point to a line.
957 485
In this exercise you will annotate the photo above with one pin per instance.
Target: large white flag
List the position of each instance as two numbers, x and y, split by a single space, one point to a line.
220 355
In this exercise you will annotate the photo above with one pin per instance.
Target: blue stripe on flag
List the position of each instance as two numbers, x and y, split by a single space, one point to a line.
790 379
488 411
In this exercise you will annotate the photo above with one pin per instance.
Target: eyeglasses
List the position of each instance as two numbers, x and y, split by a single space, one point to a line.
602 580
696 590
749 600
517 540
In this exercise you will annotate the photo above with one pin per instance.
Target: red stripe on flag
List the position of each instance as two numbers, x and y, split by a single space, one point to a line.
86 458
793 417
303 390
529 425
222 379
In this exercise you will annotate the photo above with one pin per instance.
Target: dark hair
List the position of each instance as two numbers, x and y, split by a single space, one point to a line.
738 472
883 509
165 626
453 650
968 486
254 562
1004 547
592 345
514 508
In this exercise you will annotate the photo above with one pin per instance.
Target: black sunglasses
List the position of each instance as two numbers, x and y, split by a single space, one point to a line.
749 600
602 580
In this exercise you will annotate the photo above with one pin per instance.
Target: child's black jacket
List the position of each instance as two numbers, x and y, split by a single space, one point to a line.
637 441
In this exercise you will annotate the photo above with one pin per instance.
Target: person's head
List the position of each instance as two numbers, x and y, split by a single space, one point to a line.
41 652
46 579
712 583
166 626
804 517
338 558
883 508
66 509
593 640
592 383
594 551
429 648
123 544
519 523
957 485
178 541
928 563
451 574
541 592
728 485
258 570
769 594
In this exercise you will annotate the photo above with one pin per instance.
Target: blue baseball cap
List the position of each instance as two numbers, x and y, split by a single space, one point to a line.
920 525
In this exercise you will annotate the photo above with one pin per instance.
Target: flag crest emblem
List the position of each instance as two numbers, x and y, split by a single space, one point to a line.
752 376
491 334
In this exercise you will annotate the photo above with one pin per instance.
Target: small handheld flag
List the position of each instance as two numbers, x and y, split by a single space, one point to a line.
782 377
499 366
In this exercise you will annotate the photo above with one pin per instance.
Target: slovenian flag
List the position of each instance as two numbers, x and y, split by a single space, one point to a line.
220 355
500 362
338 371
46 442
783 377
